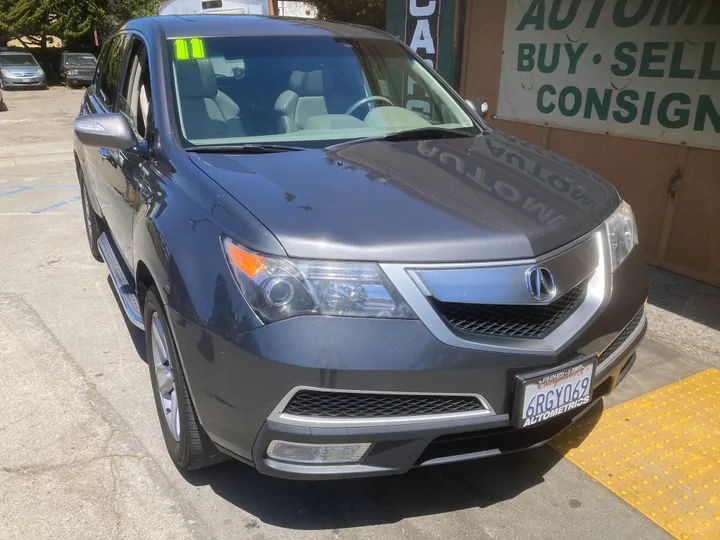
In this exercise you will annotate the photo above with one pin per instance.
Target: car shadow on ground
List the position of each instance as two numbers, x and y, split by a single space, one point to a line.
137 335
328 505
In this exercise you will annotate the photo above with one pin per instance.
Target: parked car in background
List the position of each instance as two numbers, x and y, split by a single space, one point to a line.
77 68
336 280
20 70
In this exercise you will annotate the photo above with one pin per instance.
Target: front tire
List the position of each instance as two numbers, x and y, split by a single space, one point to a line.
92 221
186 441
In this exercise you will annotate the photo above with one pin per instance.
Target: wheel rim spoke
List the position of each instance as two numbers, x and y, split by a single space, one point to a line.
174 416
164 377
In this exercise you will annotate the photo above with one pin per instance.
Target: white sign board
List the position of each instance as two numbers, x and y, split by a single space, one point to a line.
648 69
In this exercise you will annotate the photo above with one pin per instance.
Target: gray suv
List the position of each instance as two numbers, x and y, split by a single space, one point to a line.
335 276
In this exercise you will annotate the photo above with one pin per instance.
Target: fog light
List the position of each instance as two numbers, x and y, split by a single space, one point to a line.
330 454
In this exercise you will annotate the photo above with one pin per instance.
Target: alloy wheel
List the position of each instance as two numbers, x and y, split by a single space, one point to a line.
164 377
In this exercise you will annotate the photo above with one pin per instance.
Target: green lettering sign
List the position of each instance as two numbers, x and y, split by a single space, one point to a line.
706 109
712 16
624 20
682 116
574 55
595 13
593 102
534 16
623 54
649 57
707 73
543 65
566 109
555 22
526 57
675 9
676 70
647 108
625 100
541 106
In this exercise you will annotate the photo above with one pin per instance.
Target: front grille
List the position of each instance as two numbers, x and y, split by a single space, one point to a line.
621 338
518 321
319 404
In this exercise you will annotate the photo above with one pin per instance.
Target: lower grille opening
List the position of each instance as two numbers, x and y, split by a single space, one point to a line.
518 321
621 338
502 440
320 404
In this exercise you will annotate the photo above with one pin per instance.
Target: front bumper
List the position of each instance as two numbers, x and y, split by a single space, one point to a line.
237 382
397 448
77 80
24 82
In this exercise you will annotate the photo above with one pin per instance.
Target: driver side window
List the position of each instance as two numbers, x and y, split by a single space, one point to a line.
135 93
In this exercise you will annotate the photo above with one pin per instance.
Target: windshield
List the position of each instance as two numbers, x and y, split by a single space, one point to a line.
304 91
80 60
17 60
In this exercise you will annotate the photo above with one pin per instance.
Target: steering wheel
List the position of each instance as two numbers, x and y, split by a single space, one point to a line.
363 101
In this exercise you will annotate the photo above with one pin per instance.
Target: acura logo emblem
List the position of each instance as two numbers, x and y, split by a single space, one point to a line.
540 283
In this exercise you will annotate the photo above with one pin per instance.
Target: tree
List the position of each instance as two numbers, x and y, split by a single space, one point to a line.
35 19
70 20
368 12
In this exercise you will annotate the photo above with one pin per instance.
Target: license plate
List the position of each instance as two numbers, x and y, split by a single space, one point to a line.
545 395
27 80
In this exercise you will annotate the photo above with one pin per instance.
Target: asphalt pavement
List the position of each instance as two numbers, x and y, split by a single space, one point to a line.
81 452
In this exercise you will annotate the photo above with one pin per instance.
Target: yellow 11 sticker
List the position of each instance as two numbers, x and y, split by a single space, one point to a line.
196 49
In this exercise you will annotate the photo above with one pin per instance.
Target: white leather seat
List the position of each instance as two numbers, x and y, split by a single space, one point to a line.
304 99
207 112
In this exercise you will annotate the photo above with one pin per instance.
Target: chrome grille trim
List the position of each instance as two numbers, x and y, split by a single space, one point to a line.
405 278
278 414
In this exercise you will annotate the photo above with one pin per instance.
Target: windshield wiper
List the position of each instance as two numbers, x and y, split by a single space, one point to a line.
249 148
411 135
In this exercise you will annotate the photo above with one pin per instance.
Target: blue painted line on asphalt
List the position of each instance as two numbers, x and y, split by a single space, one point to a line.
18 190
54 206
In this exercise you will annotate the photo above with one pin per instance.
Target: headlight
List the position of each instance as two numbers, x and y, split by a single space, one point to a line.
6 72
72 71
622 234
278 288
39 72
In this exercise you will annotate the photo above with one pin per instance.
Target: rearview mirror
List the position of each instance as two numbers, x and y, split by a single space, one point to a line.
480 107
105 131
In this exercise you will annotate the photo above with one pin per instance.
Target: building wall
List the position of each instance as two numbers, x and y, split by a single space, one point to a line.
680 232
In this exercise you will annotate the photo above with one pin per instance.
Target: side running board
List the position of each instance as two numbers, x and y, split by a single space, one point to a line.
122 279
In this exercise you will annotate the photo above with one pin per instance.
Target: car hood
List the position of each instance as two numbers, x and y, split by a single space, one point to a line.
21 69
484 198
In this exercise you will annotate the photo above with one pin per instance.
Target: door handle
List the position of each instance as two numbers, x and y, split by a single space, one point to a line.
107 155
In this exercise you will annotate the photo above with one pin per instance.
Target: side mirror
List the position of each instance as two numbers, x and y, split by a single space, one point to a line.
480 107
105 131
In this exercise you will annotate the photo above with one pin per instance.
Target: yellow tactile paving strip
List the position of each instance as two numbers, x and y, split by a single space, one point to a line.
660 453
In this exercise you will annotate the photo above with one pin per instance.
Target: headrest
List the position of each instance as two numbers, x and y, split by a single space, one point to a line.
196 78
286 103
307 83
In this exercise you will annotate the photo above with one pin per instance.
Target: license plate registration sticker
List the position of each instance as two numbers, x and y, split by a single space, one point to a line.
544 396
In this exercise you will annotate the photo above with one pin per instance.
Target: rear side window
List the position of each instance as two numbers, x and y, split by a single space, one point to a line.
111 70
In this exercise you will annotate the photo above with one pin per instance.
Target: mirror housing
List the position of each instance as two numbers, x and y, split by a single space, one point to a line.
105 131
481 108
